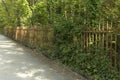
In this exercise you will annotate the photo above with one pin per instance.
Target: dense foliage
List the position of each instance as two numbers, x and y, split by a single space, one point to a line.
68 18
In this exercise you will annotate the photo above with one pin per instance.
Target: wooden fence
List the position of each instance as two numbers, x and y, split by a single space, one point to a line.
107 41
32 37
103 37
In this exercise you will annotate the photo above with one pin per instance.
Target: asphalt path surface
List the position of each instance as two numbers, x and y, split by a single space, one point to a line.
18 63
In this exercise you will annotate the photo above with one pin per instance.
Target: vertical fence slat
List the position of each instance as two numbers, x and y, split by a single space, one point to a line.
115 54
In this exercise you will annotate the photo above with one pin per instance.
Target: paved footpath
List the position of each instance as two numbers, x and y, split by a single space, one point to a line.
17 63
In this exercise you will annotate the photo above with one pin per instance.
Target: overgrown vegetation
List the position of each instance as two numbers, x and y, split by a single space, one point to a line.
68 18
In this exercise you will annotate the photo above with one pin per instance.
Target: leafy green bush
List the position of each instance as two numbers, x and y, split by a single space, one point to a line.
95 64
